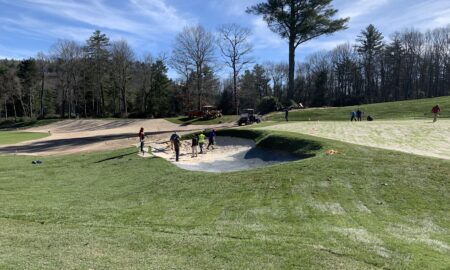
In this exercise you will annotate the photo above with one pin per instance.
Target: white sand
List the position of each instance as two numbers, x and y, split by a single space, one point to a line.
229 154
421 137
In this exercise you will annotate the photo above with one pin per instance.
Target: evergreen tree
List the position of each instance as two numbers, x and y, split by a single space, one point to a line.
298 21
97 49
370 46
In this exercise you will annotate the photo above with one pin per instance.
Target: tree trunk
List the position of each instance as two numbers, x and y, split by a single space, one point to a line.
6 110
15 111
291 82
236 105
30 100
41 111
199 87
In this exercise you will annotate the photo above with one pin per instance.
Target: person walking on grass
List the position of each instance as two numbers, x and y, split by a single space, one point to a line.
435 110
142 139
211 139
194 145
286 114
353 118
201 141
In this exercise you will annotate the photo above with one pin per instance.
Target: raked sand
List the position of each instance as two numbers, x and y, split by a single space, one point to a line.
421 137
230 154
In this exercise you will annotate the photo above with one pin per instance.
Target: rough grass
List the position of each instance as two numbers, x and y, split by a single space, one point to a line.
362 208
12 137
410 109
183 120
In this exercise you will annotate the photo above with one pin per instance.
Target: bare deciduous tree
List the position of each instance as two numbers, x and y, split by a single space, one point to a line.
235 49
122 59
193 50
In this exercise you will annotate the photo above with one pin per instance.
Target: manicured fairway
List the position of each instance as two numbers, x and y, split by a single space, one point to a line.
12 137
409 109
362 208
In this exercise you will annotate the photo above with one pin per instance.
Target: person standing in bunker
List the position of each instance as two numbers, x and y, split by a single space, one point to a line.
435 110
176 146
201 141
211 139
142 139
194 145
286 114
359 114
172 139
353 118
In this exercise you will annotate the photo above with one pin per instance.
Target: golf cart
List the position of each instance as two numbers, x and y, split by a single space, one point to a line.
248 117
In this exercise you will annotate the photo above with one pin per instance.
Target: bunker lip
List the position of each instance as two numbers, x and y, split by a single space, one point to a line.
230 154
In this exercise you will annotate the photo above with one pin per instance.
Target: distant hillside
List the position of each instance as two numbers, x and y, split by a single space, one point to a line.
410 109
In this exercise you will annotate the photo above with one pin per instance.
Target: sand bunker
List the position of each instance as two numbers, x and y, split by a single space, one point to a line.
420 137
88 135
230 154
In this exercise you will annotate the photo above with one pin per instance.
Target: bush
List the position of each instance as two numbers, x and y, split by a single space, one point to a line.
268 104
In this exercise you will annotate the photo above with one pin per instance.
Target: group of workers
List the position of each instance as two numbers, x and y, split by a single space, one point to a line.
198 141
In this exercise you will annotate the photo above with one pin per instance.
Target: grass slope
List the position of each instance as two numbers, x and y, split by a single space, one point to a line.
363 208
12 137
410 109
183 120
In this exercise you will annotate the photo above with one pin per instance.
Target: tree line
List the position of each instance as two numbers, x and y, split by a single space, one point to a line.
104 78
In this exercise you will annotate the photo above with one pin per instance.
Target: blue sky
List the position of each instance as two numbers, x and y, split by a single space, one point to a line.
30 26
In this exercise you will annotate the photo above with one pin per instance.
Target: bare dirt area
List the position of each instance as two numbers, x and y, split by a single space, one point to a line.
421 137
76 136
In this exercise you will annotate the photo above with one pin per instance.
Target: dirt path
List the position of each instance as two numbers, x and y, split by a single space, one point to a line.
421 137
75 136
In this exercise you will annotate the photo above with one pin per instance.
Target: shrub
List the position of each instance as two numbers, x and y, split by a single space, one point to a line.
268 104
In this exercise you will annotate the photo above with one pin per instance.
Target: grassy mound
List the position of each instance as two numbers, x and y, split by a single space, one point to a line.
361 208
12 137
410 109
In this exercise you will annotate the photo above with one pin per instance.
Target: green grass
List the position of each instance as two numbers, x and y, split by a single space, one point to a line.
363 208
411 109
12 137
23 124
183 120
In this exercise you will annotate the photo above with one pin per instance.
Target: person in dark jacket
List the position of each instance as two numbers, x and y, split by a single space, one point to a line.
435 110
142 139
176 146
211 139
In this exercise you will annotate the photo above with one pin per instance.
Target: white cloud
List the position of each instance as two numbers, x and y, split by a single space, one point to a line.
262 37
232 7
163 15
356 9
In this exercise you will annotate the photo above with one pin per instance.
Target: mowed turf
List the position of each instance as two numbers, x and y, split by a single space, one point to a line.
410 109
363 208
12 137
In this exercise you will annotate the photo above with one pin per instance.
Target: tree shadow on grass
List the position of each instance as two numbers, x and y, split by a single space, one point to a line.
116 157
